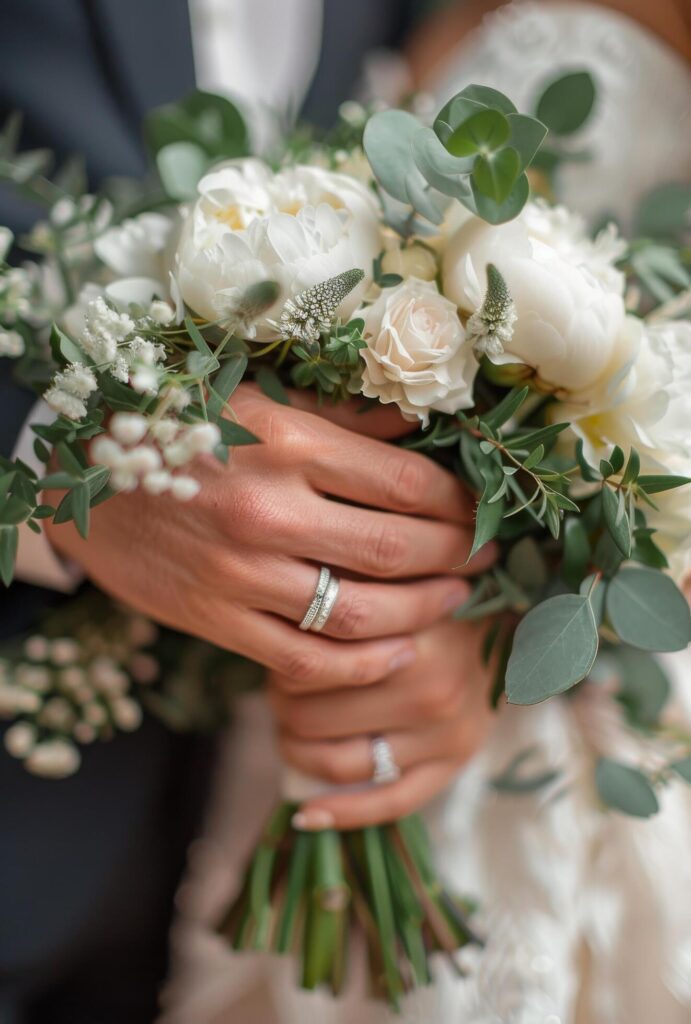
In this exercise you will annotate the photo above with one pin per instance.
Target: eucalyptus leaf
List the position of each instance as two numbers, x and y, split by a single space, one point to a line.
270 383
682 768
644 687
495 175
554 648
482 132
180 167
567 102
224 384
625 789
648 611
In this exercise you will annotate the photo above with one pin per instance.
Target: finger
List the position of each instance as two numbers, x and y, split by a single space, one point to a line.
378 804
311 664
350 761
373 420
383 544
384 476
362 609
347 465
404 701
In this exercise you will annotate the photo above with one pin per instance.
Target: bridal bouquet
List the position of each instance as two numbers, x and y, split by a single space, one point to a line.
398 262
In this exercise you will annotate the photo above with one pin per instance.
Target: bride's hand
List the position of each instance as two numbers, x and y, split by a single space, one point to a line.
237 565
434 713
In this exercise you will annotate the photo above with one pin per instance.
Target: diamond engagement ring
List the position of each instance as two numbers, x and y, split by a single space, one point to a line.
316 602
385 768
327 605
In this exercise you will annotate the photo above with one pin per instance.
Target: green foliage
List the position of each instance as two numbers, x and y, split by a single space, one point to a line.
643 685
647 610
566 103
477 152
625 789
516 780
186 138
554 648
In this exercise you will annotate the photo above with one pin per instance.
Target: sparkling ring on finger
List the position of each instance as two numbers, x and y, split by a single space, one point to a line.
327 605
385 768
317 600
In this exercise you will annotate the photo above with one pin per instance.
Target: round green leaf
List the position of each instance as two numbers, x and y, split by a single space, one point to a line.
567 102
495 175
683 768
483 132
387 142
498 213
554 648
625 789
648 611
180 166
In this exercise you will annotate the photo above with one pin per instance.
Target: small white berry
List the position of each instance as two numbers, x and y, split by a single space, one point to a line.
20 739
184 488
106 451
54 759
157 482
128 427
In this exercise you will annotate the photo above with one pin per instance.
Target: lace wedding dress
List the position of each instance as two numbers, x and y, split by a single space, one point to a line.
588 913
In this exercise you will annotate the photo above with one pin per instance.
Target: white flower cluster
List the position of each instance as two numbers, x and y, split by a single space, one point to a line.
110 340
134 461
15 294
11 344
65 695
69 390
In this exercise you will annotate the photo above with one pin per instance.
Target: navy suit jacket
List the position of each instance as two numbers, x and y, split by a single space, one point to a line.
88 865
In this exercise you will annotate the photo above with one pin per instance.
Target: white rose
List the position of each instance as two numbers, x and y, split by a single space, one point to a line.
298 227
417 353
566 290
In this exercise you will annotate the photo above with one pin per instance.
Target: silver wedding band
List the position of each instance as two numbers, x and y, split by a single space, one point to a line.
322 604
384 765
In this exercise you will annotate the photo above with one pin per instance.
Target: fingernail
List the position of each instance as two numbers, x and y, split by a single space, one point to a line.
312 820
403 658
455 600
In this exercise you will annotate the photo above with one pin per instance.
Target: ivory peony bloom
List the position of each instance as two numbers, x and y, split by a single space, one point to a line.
647 405
568 295
298 227
417 353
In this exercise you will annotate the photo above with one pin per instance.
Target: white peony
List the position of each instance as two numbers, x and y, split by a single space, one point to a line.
567 293
417 352
298 226
646 405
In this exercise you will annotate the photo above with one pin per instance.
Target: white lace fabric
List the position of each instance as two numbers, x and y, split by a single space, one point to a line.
588 913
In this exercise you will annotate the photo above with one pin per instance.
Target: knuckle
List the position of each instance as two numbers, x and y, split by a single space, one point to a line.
302 665
438 699
349 615
386 551
254 511
334 767
407 479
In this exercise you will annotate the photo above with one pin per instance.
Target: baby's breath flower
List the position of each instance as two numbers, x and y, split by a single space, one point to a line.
128 427
54 759
65 404
77 380
11 344
161 312
20 739
202 437
36 648
15 699
106 451
57 713
145 380
127 713
184 488
157 482
490 328
64 651
165 430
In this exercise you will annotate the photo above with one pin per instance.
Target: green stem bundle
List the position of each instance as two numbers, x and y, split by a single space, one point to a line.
304 892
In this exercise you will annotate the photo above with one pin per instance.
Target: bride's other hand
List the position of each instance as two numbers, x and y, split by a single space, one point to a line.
435 714
238 565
